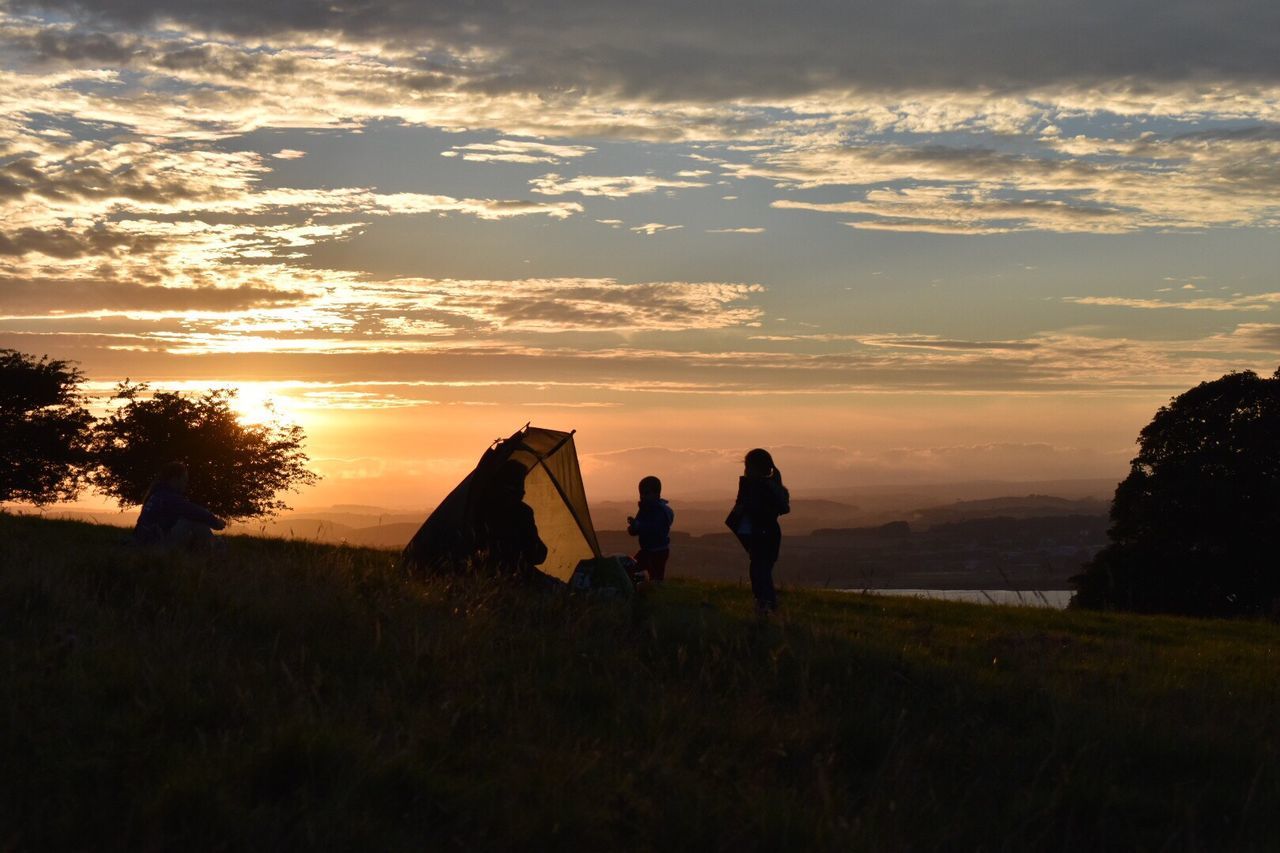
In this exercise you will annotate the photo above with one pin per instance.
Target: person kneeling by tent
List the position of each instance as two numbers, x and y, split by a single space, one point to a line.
168 518
507 533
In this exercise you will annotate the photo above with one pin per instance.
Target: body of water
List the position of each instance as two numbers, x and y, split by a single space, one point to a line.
1054 598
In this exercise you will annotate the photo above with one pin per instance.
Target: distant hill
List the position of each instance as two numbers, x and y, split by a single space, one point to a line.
704 516
392 528
385 535
357 529
1028 506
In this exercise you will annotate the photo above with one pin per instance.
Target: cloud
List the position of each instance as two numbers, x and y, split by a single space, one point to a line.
1253 302
566 349
221 74
145 178
92 203
935 343
1079 185
668 50
544 305
517 151
651 228
127 190
609 187
352 315
68 243
1258 337
59 297
127 173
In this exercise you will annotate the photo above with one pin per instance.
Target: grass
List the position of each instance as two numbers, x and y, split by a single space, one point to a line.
298 696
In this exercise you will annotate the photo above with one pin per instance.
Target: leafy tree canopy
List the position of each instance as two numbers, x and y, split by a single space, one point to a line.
237 470
1196 524
43 428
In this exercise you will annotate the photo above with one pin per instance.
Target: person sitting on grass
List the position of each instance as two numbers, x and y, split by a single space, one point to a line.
169 519
507 533
652 524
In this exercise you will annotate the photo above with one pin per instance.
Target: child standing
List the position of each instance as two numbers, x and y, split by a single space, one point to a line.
652 524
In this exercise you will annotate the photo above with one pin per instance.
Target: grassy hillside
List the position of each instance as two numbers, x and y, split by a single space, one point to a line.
297 696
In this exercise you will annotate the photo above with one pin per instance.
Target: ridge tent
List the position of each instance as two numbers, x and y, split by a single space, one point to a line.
553 490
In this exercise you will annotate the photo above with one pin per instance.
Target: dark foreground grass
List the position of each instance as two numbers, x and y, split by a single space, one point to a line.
296 696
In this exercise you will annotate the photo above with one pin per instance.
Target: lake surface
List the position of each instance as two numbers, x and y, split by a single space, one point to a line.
1054 598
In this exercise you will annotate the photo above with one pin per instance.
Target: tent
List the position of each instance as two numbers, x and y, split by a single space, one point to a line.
553 490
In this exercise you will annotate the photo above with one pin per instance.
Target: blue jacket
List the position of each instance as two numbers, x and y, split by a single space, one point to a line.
164 506
653 525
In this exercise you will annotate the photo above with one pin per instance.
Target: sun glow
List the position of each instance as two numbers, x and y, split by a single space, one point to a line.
257 403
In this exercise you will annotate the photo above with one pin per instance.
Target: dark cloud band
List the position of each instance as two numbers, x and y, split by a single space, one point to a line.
669 50
40 296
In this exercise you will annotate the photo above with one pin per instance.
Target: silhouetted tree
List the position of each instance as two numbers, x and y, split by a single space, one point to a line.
43 428
1196 524
237 470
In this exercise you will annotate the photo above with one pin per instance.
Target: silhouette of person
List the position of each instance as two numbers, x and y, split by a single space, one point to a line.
168 518
508 533
754 520
652 525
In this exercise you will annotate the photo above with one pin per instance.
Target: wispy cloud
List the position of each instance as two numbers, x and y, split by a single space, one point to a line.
1252 302
1078 185
1257 337
610 187
651 228
517 151
932 342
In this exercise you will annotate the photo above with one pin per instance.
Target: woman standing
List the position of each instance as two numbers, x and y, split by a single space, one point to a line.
754 519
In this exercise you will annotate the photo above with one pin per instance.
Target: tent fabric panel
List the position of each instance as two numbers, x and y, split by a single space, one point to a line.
541 441
442 537
563 467
557 526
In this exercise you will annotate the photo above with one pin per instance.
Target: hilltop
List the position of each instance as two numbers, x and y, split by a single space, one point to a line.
302 696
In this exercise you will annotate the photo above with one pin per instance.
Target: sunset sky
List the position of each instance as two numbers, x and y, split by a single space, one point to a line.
892 241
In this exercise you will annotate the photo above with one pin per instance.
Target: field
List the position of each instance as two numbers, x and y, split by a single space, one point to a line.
301 696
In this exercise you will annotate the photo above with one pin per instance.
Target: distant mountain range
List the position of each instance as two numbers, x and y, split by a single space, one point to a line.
391 528
1030 506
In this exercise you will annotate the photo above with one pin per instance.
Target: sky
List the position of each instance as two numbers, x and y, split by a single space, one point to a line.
902 242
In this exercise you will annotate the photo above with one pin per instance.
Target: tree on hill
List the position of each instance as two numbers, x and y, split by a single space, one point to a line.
1196 524
237 470
43 428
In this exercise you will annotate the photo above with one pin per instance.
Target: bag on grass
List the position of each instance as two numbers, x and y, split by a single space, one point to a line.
607 577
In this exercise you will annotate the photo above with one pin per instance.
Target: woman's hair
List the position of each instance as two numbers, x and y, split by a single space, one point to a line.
171 471
510 475
758 460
